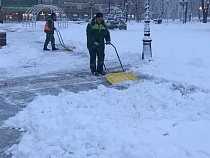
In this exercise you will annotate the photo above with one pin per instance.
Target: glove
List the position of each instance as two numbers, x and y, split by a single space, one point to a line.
96 44
108 42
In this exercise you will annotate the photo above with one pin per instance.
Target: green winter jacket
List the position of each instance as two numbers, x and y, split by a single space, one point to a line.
97 33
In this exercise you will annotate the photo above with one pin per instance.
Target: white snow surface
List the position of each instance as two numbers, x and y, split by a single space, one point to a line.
165 115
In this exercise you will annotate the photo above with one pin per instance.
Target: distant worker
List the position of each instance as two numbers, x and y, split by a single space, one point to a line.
97 32
49 30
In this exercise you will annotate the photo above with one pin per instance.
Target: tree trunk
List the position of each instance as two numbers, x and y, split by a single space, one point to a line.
205 11
205 15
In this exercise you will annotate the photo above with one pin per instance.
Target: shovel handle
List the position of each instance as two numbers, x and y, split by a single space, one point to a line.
60 38
117 55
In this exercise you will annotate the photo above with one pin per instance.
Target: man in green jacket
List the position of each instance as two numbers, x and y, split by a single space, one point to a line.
49 30
97 33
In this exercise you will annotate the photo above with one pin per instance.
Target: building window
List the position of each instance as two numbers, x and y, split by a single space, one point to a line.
85 6
74 6
79 6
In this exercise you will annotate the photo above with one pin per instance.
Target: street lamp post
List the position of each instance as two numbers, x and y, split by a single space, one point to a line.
147 51
167 9
199 13
91 3
205 9
184 4
128 8
190 10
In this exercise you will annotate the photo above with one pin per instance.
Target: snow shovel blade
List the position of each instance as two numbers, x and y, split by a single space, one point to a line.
120 77
68 48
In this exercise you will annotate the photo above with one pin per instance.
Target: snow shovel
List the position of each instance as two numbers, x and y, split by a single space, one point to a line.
61 41
120 76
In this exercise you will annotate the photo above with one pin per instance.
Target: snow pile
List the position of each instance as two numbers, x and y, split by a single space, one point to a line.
146 120
165 114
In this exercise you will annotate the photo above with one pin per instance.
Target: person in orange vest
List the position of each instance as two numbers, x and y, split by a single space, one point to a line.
49 30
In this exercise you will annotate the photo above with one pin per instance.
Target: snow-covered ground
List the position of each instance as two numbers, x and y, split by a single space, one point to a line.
164 115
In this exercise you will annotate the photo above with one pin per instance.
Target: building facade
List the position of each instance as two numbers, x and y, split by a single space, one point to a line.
13 10
81 9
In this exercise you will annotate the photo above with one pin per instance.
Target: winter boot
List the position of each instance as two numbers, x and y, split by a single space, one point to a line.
45 48
102 73
95 73
53 47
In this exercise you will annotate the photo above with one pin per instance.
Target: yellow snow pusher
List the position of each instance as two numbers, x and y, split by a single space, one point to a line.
61 41
120 76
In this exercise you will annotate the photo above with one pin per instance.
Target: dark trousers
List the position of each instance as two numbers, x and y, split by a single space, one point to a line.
49 38
99 53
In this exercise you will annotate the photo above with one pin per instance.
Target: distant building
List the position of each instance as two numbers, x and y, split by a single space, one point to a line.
13 9
81 9
75 9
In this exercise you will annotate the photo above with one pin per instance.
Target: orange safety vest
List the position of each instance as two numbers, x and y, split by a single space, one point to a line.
46 27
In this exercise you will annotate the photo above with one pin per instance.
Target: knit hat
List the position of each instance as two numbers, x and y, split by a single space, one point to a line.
99 14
